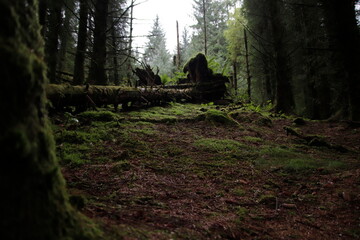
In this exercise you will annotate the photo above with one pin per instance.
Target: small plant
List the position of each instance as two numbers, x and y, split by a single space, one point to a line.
239 192
166 80
241 212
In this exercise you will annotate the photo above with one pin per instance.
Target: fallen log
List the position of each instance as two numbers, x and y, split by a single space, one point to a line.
84 97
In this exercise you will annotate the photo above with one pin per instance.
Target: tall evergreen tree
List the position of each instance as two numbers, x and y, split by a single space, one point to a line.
65 61
119 42
52 37
79 65
185 47
284 101
97 72
156 54
211 18
270 53
234 35
344 40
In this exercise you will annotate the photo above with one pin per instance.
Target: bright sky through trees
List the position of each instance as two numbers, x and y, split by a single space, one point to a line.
169 11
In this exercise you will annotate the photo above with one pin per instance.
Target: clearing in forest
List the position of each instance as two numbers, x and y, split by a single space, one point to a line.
188 171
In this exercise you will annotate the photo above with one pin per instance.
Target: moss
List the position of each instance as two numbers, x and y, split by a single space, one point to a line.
264 122
267 199
73 159
253 139
120 167
40 205
293 160
77 201
239 192
241 212
219 145
217 117
103 116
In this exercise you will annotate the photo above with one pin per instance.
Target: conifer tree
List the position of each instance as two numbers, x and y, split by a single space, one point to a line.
79 65
97 72
156 53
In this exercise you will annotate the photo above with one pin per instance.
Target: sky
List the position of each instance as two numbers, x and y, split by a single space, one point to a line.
169 11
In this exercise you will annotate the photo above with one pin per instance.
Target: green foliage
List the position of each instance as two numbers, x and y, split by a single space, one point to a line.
166 80
234 35
179 75
216 16
216 67
266 107
156 54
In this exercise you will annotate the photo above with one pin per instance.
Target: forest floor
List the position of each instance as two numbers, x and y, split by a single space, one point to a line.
188 171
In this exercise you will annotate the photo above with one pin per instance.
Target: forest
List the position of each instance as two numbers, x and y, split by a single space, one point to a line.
248 129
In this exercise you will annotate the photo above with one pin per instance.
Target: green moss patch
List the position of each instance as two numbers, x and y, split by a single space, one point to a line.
219 145
104 116
291 160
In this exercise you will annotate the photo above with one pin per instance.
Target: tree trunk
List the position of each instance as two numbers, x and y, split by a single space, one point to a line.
130 60
43 16
205 27
340 20
52 40
33 204
234 82
79 71
248 77
65 36
178 56
284 96
115 77
97 74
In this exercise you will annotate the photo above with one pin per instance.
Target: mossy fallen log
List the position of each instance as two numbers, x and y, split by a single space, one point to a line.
84 97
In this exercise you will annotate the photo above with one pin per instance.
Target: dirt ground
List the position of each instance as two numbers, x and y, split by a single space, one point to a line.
181 176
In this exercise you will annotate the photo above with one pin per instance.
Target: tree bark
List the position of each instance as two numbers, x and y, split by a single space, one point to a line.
130 60
79 71
52 39
248 77
34 204
97 74
340 20
284 96
65 36
115 64
205 28
94 96
43 16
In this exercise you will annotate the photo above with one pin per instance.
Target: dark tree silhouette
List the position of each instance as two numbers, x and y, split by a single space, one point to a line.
34 203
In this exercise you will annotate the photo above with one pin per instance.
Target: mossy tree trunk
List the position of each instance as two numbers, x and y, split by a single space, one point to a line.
33 203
